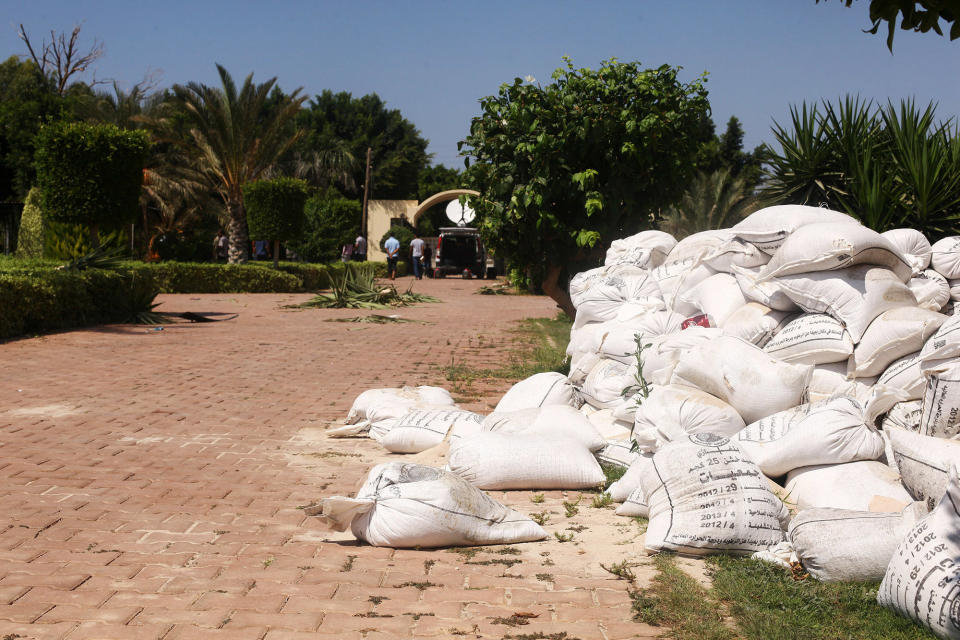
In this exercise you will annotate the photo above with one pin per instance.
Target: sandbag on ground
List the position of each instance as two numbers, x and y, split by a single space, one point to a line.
539 390
419 430
811 338
893 334
922 581
381 405
838 545
931 289
828 432
646 249
547 422
599 293
912 245
766 292
706 497
618 453
830 380
717 296
941 400
858 486
754 383
923 462
636 504
905 374
604 385
410 505
945 257
509 461
756 323
769 227
673 411
630 480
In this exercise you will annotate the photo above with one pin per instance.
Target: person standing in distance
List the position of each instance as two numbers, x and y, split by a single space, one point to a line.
392 247
416 256
360 249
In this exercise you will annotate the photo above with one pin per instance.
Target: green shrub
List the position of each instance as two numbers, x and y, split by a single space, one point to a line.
403 234
331 221
275 208
68 241
90 174
30 237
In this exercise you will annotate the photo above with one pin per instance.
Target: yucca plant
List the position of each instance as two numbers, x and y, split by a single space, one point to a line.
357 288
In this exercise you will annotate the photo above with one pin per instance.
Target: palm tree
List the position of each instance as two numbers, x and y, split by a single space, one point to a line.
712 201
239 136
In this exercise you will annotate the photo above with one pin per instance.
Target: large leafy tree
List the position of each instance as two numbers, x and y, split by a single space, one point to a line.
913 15
565 168
238 136
338 130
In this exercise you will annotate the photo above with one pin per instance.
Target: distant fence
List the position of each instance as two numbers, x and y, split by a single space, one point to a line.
9 225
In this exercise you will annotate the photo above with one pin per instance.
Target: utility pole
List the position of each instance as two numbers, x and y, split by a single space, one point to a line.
366 196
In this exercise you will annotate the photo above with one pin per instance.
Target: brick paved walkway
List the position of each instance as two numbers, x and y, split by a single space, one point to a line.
149 485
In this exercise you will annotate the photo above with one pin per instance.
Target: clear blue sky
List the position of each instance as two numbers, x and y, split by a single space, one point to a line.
433 60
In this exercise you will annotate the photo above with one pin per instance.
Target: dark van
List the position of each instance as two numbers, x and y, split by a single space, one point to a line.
460 251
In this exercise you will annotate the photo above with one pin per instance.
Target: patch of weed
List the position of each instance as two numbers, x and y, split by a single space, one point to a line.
502 561
623 570
348 564
571 507
377 599
537 498
540 518
515 620
545 577
420 586
563 537
612 473
427 565
601 501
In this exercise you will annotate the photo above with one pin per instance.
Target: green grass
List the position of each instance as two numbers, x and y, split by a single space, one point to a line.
612 472
769 604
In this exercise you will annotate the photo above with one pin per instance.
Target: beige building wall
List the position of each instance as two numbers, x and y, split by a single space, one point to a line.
379 215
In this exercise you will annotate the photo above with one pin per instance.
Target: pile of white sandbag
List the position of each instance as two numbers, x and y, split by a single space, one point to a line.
788 387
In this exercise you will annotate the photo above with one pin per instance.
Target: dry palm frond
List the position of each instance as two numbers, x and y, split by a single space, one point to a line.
373 318
356 288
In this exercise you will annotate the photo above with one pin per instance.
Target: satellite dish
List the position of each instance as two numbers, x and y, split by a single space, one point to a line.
460 214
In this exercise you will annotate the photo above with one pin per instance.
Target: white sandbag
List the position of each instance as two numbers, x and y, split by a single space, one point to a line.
699 245
621 489
756 323
905 373
945 257
546 422
941 401
904 415
893 334
411 505
923 462
607 424
811 338
830 246
866 485
765 292
418 430
619 342
769 227
754 383
676 277
636 504
912 245
830 380
580 366
605 384
829 432
922 581
718 296
674 411
931 290
494 460
838 545
735 253
540 390
854 296
647 249
600 299
397 397
664 352
705 496
617 453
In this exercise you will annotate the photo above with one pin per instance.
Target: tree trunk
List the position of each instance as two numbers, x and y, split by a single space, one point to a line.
94 236
558 291
276 254
239 251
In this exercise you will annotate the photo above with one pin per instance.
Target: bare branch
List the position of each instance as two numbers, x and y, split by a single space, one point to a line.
63 57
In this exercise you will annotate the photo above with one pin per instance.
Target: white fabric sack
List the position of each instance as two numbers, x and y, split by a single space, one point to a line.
619 341
912 245
941 401
904 415
765 292
905 373
718 296
931 290
923 462
605 384
617 453
607 424
830 246
830 380
546 422
922 581
829 432
866 485
893 334
601 300
494 460
630 480
540 390
646 249
811 338
381 404
838 545
769 227
635 505
705 496
854 296
410 505
674 411
943 346
735 253
676 277
945 257
420 429
754 383
699 245
664 352
756 323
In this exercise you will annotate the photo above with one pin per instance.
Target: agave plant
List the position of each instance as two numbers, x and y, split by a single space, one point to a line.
356 288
